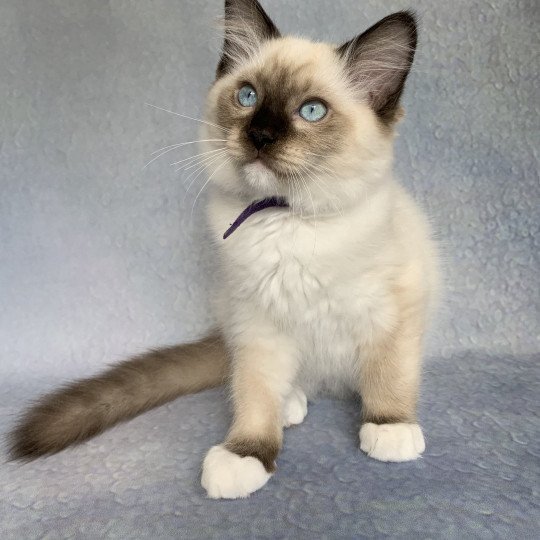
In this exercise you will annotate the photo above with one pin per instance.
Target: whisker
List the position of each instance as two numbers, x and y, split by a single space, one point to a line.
227 130
170 149
196 156
298 192
292 206
315 178
206 183
318 155
197 172
321 170
291 186
305 184
332 198
201 161
320 164
186 143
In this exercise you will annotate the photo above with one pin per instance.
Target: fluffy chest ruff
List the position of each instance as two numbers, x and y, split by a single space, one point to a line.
316 280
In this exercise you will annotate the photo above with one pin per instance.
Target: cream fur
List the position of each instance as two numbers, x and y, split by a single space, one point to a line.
392 442
334 293
228 476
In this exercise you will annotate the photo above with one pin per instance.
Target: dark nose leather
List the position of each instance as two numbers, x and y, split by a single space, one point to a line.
261 137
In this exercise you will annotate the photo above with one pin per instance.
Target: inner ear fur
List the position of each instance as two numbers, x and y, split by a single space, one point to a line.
379 60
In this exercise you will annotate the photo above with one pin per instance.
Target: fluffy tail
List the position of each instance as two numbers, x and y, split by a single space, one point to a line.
87 407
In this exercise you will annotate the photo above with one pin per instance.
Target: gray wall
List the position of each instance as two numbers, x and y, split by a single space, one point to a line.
100 258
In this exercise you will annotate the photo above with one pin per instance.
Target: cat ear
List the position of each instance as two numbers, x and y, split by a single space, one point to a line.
247 26
379 60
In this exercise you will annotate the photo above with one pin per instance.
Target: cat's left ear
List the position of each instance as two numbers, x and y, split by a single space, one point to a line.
247 26
379 60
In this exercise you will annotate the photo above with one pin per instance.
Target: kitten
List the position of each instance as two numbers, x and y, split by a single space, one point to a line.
328 269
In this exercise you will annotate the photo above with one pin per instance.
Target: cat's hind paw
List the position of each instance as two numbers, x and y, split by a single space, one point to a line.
294 408
392 442
226 475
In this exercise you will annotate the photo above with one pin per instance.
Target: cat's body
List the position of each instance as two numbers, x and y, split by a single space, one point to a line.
328 290
325 284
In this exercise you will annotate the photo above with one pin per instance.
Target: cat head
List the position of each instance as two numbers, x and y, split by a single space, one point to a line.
312 122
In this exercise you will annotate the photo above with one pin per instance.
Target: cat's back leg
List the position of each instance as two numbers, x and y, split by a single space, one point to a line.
295 407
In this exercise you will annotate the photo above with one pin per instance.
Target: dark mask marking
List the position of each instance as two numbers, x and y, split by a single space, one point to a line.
269 124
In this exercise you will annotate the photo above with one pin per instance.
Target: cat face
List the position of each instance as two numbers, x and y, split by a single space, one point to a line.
296 115
301 118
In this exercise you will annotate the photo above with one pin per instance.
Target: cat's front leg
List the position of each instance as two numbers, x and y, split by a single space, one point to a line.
262 373
390 371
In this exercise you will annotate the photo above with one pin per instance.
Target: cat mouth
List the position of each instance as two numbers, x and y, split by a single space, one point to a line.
260 165
261 176
262 161
267 164
263 164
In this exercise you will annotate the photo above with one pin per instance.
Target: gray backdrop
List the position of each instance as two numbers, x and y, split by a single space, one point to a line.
101 258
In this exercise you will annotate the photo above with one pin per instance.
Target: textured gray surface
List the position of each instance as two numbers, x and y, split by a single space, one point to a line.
479 476
100 259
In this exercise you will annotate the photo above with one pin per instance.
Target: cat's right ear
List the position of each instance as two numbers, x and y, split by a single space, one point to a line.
247 26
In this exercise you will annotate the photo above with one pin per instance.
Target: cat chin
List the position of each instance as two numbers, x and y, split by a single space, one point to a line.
261 178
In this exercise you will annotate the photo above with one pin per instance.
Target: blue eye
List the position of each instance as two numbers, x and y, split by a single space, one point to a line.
247 97
313 111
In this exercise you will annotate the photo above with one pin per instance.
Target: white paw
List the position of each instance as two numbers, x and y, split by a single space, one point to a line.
392 442
226 475
294 408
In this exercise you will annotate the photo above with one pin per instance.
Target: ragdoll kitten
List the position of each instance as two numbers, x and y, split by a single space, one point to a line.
328 270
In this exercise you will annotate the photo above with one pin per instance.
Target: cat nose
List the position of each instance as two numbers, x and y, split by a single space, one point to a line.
261 137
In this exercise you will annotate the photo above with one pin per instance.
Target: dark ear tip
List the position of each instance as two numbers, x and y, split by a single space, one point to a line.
406 18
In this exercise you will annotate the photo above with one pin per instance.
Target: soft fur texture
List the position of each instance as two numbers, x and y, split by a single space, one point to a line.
333 293
85 408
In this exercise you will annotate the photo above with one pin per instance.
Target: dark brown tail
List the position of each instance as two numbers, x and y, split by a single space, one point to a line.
87 407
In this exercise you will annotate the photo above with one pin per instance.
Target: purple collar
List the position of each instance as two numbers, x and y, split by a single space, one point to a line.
254 207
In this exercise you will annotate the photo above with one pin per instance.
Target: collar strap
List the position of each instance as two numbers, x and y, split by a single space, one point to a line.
253 208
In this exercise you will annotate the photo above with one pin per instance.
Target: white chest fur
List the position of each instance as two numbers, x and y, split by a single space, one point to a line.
322 281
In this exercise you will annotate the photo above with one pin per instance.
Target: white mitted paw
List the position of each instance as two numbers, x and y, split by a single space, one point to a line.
392 442
294 408
226 475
